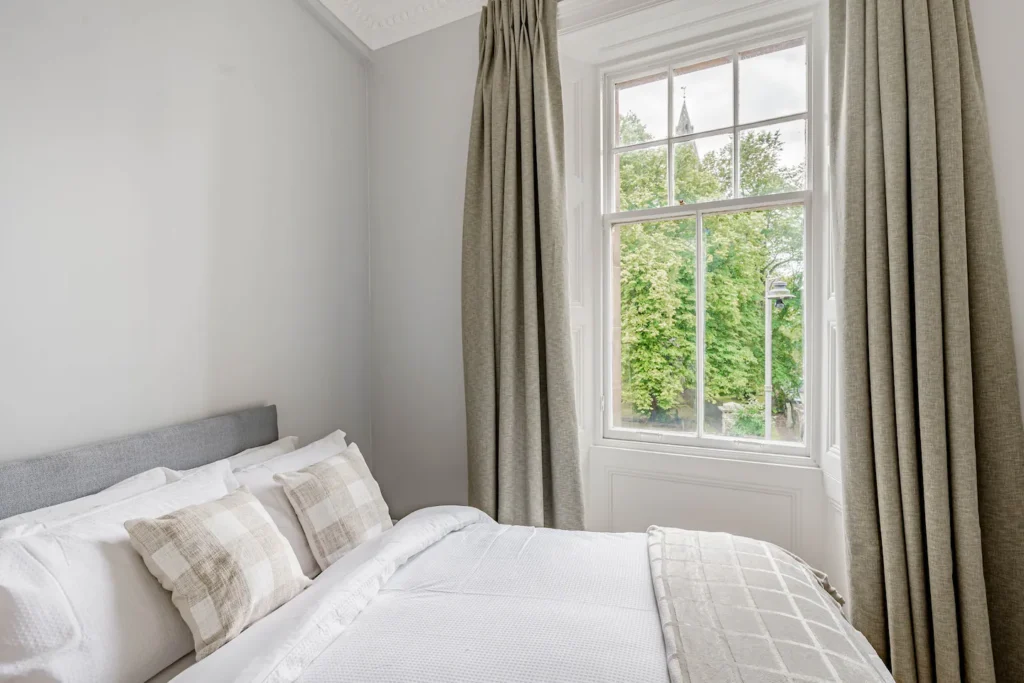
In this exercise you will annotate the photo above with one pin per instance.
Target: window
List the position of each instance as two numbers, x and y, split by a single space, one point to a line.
707 204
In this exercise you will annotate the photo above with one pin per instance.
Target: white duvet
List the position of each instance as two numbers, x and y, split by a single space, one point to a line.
449 595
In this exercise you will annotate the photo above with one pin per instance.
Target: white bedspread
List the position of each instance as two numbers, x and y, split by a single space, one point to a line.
478 601
449 596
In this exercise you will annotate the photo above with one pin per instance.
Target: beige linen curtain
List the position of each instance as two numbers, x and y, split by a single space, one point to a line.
933 447
520 408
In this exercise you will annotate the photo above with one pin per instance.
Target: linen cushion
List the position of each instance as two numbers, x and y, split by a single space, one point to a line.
78 604
338 503
260 481
224 562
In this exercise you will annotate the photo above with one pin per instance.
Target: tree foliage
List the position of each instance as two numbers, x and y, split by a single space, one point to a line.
657 280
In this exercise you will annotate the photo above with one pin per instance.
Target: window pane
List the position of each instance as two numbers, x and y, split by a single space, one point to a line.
641 106
773 81
746 253
654 322
773 159
641 179
703 98
704 169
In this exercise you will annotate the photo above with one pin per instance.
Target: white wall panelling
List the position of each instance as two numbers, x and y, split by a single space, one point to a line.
827 368
631 489
835 545
579 88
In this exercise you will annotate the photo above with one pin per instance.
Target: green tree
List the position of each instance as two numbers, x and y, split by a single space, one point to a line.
658 290
658 279
642 174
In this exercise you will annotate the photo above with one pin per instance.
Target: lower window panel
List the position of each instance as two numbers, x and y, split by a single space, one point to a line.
753 265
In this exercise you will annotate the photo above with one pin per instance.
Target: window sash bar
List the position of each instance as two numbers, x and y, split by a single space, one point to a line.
735 122
777 121
711 442
671 147
729 130
767 201
701 261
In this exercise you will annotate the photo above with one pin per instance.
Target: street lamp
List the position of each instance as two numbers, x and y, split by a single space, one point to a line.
774 291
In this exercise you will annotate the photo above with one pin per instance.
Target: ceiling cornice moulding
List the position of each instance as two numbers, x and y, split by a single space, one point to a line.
576 15
378 23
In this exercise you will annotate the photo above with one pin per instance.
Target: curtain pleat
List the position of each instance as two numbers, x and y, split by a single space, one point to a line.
524 465
933 444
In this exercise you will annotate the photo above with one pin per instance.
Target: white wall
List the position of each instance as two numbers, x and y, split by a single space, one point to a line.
183 219
996 26
420 110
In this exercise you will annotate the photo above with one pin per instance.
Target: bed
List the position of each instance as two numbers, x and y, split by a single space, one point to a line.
448 594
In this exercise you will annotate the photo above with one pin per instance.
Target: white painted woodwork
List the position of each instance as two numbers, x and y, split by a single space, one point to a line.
579 91
773 493
631 489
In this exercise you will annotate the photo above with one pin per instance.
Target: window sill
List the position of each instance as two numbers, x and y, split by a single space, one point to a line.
717 450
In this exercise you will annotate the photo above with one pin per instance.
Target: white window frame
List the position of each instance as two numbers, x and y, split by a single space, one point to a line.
808 25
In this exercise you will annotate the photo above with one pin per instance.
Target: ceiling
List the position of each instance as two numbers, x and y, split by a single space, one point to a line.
378 23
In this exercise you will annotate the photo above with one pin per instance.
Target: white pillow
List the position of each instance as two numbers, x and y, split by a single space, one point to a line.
332 444
30 522
260 481
261 454
78 601
251 456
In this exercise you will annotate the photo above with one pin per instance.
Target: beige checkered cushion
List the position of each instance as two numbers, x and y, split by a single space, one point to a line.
224 562
338 504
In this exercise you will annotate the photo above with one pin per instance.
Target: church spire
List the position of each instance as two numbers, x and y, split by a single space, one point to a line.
684 127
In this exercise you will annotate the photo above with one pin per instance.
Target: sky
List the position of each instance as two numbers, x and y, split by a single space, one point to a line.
771 85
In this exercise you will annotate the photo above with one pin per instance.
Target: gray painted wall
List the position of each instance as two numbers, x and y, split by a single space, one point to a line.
420 108
183 219
996 25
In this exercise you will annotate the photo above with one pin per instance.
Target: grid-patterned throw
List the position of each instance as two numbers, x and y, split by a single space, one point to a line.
736 610
224 562
338 504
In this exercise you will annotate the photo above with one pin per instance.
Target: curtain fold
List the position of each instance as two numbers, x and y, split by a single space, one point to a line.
933 444
524 465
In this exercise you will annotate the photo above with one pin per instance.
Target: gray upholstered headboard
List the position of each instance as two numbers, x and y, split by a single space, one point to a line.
38 482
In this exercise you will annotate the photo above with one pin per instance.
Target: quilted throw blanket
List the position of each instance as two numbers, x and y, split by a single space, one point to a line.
736 610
